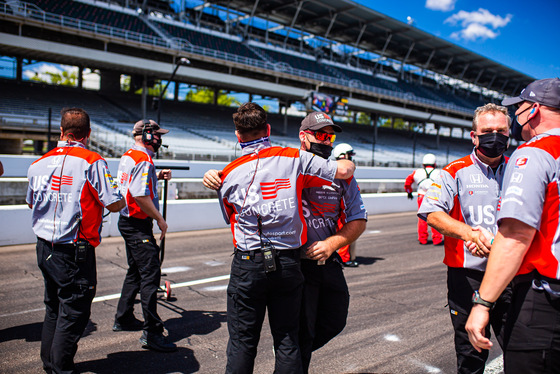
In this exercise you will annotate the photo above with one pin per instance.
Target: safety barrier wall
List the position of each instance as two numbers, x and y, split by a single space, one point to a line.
182 215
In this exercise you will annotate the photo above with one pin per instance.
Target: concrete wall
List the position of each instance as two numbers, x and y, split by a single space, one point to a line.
182 215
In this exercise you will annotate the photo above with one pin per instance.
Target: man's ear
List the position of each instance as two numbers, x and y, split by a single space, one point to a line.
474 139
268 129
61 133
301 136
238 136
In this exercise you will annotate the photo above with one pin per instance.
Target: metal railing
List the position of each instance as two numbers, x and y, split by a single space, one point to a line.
31 11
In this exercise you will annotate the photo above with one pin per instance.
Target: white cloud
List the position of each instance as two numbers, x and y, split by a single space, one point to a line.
443 5
475 31
480 24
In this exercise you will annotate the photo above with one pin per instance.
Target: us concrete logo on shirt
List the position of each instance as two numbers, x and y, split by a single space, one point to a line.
270 190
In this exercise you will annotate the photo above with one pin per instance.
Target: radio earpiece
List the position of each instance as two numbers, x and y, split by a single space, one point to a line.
147 132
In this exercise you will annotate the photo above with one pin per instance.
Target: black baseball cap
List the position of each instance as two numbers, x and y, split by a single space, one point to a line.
544 91
318 120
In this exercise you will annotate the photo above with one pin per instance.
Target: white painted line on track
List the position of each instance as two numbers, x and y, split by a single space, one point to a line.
373 231
175 269
496 366
117 295
215 288
392 338
173 286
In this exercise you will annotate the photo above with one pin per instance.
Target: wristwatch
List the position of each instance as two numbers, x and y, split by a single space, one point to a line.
476 299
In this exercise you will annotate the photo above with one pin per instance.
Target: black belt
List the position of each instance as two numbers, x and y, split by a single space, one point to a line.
256 253
69 249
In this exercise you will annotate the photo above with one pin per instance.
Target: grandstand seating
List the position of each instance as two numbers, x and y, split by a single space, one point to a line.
95 14
205 132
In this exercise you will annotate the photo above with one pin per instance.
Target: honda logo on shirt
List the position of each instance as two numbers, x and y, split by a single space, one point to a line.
476 178
270 189
60 181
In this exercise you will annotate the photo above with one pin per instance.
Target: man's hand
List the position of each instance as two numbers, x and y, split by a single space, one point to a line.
163 227
164 174
212 179
476 325
320 251
410 196
480 242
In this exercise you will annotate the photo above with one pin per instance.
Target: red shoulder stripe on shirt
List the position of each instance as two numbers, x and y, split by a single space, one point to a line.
457 165
264 153
549 144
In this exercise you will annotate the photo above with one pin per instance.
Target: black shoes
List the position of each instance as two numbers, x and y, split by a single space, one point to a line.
351 264
157 342
132 325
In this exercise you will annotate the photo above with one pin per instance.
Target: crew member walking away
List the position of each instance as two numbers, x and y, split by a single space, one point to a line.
260 196
463 205
347 253
423 178
68 188
525 248
326 298
137 180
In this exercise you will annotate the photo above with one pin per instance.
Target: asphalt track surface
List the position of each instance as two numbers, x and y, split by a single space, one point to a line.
398 320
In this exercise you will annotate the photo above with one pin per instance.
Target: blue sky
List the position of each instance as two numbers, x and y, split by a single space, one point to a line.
523 35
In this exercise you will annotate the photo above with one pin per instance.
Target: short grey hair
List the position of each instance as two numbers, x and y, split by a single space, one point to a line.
489 108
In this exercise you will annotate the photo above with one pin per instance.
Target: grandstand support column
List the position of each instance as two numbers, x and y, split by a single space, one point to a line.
216 92
375 118
145 95
81 77
438 127
19 68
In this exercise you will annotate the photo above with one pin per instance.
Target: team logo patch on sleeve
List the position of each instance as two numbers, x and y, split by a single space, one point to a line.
270 189
110 180
521 162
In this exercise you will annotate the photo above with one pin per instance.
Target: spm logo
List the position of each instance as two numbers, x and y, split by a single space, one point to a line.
270 189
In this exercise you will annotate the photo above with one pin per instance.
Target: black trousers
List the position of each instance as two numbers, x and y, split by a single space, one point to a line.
143 275
69 291
250 293
325 304
532 331
461 284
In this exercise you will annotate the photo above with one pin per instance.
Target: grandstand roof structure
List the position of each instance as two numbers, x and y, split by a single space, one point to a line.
350 23
234 53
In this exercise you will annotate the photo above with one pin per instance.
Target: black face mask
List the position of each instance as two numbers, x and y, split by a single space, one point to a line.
493 144
517 127
321 150
156 143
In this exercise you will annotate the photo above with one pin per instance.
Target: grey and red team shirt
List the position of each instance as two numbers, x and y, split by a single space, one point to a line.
468 190
137 177
531 195
68 188
267 182
327 208
423 178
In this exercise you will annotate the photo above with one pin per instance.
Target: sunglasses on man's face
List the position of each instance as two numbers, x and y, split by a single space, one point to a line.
322 136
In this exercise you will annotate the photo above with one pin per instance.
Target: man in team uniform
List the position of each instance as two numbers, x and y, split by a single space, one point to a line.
68 188
526 246
423 178
137 180
260 196
462 205
325 298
